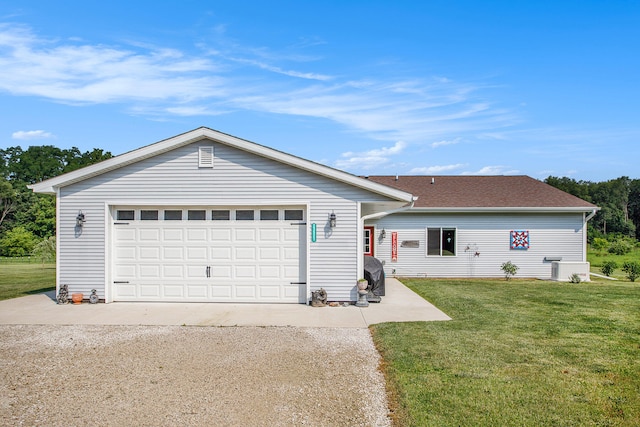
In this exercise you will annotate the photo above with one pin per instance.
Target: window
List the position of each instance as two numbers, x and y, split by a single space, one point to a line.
244 215
146 215
220 215
293 215
125 215
368 241
268 215
441 241
205 157
173 215
199 215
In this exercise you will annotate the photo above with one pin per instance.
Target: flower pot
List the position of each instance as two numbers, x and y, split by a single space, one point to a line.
77 298
362 285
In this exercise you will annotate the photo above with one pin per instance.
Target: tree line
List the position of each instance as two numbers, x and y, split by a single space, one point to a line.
28 219
618 200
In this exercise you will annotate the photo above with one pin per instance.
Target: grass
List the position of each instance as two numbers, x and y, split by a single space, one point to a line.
20 279
523 352
596 258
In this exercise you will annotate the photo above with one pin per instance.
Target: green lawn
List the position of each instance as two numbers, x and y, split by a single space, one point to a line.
518 353
20 279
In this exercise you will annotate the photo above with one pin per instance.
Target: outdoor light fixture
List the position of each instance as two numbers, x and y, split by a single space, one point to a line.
80 220
332 220
383 234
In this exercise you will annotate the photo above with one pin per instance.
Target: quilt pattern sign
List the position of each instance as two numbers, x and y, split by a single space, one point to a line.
520 239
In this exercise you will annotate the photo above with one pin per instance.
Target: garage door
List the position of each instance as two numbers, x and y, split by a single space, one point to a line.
217 255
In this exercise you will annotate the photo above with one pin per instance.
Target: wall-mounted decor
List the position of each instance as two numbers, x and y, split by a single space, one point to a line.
410 244
520 239
394 246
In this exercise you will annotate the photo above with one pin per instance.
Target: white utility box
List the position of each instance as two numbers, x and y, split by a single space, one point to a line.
563 270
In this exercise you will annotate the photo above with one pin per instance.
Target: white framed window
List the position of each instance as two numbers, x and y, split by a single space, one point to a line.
367 237
441 241
205 157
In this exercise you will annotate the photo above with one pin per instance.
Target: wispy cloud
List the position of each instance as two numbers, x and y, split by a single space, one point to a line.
369 159
436 169
162 83
32 134
493 170
445 142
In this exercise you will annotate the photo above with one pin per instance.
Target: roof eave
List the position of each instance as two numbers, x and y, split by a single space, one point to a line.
50 186
537 209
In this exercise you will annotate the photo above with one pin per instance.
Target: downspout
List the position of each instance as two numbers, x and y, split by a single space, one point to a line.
584 231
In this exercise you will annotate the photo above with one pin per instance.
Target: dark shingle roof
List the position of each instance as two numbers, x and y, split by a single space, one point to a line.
465 191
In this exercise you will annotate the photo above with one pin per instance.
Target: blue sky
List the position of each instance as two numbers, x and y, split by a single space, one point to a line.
537 88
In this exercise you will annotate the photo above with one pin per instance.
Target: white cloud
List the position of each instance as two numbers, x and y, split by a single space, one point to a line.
436 169
369 159
31 134
494 170
445 142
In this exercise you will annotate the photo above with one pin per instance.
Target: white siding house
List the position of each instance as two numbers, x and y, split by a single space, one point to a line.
205 216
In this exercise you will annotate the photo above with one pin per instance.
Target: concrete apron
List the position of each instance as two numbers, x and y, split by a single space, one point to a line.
399 305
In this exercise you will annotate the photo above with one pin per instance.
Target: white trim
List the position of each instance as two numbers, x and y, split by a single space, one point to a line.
359 249
50 185
108 252
57 242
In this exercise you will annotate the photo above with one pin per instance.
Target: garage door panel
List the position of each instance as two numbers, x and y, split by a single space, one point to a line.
197 253
172 271
208 260
172 235
173 253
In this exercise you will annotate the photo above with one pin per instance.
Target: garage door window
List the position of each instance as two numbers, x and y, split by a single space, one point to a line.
293 215
125 215
148 215
269 215
244 215
220 215
173 215
199 215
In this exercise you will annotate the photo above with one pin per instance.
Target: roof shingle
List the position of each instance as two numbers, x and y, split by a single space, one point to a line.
464 191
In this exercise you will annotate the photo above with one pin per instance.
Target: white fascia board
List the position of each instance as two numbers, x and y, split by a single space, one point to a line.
505 209
49 186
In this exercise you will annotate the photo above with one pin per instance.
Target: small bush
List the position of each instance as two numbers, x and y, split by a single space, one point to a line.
632 268
575 278
608 267
600 244
509 269
620 247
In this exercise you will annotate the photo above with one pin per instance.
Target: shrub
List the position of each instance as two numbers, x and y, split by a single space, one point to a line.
608 267
600 244
509 269
575 278
17 242
632 268
620 247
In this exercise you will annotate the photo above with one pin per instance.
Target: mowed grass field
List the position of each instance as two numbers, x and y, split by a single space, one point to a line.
517 353
19 279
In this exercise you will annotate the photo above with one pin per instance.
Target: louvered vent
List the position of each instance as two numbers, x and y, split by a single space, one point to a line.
205 157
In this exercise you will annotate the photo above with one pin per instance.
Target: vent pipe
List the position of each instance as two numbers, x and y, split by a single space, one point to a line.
433 180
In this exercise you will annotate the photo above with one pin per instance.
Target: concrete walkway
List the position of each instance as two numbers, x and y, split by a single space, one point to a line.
399 305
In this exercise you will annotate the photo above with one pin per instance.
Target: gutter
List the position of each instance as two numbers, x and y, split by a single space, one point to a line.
591 215
385 213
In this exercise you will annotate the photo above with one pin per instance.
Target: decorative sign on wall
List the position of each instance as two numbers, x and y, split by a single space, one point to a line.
394 246
410 244
520 239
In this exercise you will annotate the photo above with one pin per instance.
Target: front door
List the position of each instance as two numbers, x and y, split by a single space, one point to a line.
368 241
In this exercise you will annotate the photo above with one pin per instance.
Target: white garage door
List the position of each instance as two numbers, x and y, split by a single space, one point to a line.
217 255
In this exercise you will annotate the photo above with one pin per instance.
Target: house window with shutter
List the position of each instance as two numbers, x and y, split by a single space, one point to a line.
205 157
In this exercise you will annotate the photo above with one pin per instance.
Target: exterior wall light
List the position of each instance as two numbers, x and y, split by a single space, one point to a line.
80 219
383 234
332 220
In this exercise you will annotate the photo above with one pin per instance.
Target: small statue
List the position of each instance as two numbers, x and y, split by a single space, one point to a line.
319 298
63 295
93 298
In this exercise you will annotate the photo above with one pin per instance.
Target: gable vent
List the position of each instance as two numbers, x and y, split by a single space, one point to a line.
205 157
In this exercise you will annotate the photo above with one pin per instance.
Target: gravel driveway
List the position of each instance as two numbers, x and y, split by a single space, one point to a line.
189 376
